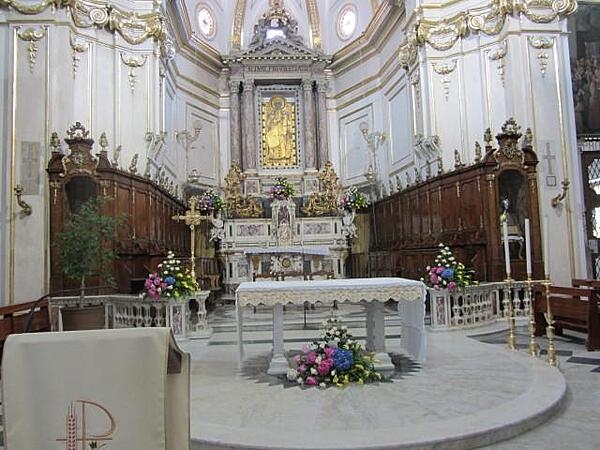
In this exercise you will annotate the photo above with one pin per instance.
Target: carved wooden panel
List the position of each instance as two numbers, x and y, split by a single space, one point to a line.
461 209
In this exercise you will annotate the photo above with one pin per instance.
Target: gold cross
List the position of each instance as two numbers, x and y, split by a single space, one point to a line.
192 218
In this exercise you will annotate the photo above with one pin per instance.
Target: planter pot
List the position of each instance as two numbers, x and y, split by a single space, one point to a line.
86 318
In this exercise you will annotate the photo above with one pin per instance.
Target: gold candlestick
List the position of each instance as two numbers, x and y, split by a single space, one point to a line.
534 349
511 341
552 359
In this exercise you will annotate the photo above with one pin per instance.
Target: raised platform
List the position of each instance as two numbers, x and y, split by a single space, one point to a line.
468 394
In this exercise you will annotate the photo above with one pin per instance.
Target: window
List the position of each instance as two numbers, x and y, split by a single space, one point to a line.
346 22
206 21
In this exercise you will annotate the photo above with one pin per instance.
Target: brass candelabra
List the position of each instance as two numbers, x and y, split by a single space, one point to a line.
511 341
534 349
552 359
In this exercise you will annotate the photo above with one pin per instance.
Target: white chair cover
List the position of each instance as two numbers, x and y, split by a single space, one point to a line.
67 390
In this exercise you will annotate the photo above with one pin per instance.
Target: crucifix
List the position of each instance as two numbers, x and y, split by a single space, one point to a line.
192 218
549 157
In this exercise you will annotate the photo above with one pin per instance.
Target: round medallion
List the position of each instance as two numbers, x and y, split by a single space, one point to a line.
206 22
346 22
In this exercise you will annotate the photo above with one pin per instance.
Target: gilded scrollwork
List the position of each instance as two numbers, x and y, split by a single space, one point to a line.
36 8
326 201
442 34
237 204
490 18
134 27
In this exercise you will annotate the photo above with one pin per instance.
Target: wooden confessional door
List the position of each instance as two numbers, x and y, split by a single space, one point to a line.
590 161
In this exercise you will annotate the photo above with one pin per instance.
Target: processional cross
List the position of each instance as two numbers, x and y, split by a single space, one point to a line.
192 218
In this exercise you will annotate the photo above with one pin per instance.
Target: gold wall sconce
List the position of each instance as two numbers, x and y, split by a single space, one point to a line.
560 197
25 207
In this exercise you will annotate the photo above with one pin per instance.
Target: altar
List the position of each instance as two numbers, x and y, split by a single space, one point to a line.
410 295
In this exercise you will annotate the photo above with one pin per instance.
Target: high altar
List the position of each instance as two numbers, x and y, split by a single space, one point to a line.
281 240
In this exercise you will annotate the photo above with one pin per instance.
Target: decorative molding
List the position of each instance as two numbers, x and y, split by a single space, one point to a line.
498 54
134 27
444 70
78 46
315 24
541 43
133 63
415 82
238 23
32 36
442 33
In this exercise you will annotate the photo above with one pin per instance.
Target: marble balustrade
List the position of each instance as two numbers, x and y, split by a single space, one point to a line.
476 305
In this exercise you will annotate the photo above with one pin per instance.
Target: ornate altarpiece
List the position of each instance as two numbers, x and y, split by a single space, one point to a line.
277 88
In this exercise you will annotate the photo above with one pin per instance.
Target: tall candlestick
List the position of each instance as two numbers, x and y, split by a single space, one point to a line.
528 247
546 249
506 248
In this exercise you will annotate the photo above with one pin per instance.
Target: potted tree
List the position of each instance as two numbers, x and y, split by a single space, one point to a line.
86 250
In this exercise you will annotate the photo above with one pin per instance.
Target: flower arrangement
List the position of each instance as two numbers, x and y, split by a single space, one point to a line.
447 273
353 199
335 359
210 201
283 189
170 281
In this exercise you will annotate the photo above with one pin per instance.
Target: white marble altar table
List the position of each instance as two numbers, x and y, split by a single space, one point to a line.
410 295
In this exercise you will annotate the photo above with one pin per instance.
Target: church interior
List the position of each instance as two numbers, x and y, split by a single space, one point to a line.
423 175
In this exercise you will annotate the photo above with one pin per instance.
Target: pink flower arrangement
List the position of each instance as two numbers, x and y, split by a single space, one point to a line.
335 359
447 272
155 286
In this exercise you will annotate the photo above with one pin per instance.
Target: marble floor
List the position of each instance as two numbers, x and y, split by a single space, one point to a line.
470 392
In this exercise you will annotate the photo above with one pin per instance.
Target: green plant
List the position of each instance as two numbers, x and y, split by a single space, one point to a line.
86 244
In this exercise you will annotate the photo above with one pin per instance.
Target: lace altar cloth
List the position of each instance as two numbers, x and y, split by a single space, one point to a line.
295 249
410 295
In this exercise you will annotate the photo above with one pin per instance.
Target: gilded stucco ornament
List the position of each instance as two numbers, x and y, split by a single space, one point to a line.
134 27
490 18
78 46
444 70
497 54
133 63
541 43
32 36
408 50
442 34
35 8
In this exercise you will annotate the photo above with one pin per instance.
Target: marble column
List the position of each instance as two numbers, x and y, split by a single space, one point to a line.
310 155
322 141
234 119
279 363
376 337
249 130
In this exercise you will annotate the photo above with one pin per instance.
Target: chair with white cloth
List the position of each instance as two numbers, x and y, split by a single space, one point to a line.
124 388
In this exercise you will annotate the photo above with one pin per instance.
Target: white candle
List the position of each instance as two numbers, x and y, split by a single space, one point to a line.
546 249
506 248
528 247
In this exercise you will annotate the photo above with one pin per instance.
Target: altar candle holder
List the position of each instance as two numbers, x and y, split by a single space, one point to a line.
552 359
534 349
511 340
